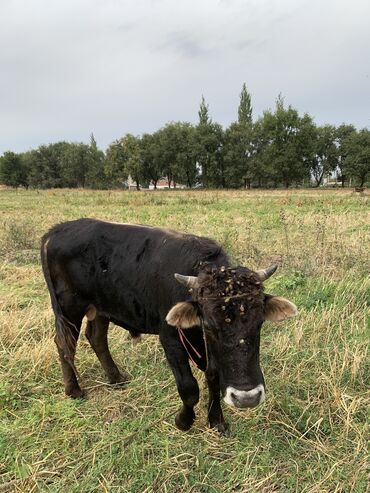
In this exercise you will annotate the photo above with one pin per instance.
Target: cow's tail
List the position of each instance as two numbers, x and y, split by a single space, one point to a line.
64 338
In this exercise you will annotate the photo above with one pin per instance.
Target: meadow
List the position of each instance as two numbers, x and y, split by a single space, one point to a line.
311 433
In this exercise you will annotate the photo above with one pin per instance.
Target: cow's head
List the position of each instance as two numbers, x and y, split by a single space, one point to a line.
231 305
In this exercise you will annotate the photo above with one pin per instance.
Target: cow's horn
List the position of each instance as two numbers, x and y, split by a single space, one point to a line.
188 281
264 274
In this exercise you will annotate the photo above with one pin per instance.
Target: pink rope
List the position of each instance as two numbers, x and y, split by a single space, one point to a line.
183 338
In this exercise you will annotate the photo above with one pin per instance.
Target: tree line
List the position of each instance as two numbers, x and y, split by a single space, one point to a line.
280 148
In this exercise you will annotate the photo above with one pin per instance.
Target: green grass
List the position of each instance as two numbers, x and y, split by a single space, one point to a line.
309 436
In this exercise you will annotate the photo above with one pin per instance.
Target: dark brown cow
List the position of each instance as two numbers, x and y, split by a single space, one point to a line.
139 277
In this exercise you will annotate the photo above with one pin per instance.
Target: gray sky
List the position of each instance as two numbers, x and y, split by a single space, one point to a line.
72 67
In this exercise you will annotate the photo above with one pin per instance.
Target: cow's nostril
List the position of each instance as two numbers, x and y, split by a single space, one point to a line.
245 398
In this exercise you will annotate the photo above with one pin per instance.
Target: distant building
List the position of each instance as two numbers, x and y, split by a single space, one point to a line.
162 184
331 180
129 184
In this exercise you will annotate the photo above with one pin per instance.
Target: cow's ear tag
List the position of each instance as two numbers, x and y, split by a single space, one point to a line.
183 315
278 308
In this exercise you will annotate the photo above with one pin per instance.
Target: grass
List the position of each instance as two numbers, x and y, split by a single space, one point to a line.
310 435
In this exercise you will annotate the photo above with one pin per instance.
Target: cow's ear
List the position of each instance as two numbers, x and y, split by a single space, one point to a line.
278 308
183 315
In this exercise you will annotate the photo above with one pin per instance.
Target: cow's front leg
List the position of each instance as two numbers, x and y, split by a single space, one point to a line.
215 416
187 385
189 393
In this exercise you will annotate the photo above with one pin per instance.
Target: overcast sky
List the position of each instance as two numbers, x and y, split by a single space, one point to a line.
72 67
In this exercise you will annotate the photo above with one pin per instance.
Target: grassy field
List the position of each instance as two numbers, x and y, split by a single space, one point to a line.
309 436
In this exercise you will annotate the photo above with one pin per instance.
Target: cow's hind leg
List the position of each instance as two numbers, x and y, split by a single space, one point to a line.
66 339
97 335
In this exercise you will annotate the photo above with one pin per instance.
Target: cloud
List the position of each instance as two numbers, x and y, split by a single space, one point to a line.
69 68
185 44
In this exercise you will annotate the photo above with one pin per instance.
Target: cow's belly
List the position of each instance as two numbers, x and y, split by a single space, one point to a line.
134 328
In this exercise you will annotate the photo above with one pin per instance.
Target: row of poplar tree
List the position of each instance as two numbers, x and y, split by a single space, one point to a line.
281 148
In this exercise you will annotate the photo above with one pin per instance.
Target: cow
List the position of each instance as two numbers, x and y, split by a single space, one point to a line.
181 287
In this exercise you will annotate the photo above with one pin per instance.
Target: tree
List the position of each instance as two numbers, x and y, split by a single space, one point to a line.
169 142
238 152
115 161
133 160
186 165
46 166
324 157
245 107
286 144
95 176
12 170
151 157
177 153
75 162
357 155
208 151
208 142
203 113
238 146
342 132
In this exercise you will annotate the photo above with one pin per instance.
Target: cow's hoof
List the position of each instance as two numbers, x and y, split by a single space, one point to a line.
221 428
184 420
119 379
75 393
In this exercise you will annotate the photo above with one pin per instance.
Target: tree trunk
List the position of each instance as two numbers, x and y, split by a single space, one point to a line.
223 181
318 181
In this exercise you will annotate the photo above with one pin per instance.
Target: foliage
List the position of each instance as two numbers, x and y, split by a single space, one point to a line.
245 107
287 144
208 148
342 132
46 166
238 156
114 167
74 165
13 171
280 148
324 159
95 176
151 157
357 155
133 160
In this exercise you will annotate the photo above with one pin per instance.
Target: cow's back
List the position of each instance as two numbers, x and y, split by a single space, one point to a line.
126 271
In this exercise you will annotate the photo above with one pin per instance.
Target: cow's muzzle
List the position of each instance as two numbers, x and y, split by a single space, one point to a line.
245 398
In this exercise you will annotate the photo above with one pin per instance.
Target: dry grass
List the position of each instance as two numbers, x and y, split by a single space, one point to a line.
310 436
